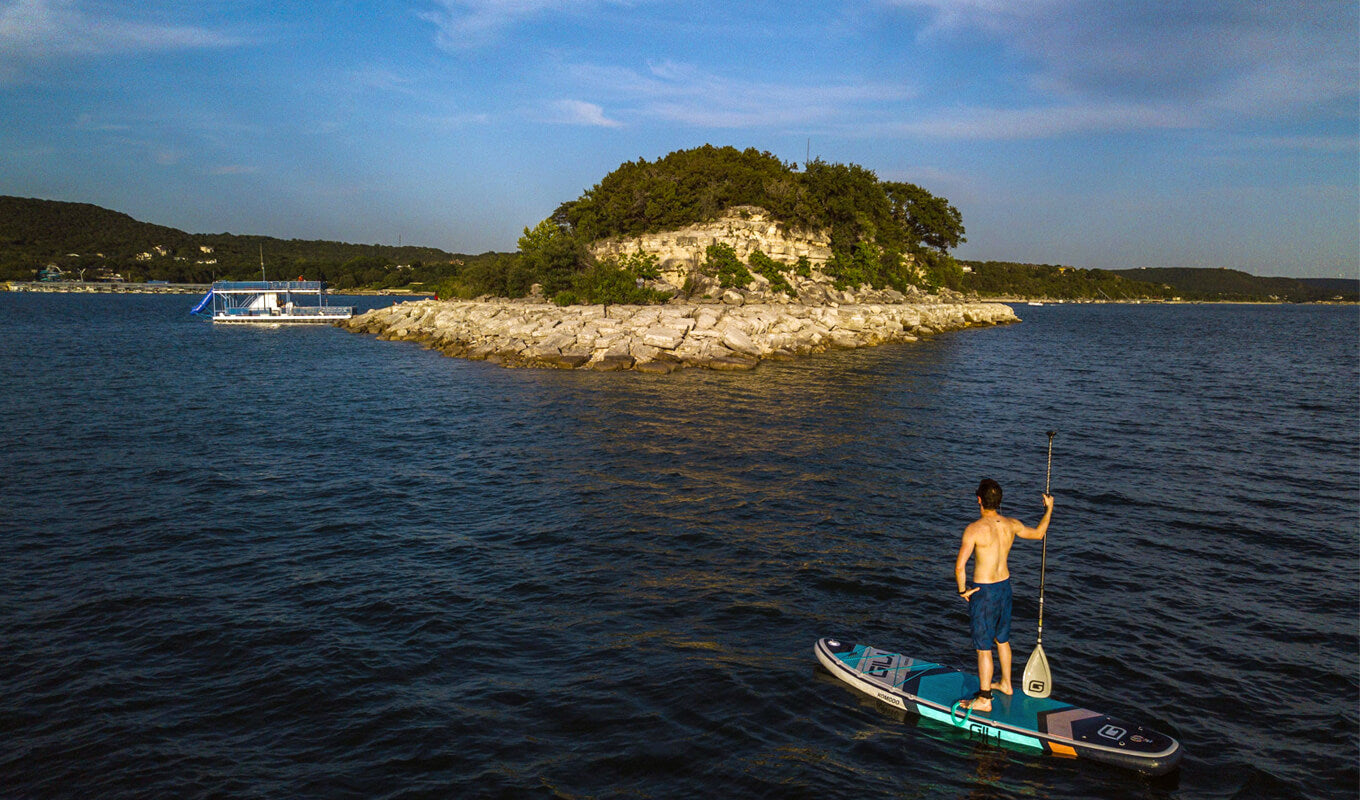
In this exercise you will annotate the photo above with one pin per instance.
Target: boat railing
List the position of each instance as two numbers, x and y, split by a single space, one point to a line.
295 311
267 286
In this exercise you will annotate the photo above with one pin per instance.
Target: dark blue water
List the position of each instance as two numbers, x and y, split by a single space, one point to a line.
305 563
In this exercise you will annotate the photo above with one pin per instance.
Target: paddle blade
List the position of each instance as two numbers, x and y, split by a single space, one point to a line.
1037 682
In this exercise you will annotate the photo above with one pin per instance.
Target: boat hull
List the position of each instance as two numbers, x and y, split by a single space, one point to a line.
278 319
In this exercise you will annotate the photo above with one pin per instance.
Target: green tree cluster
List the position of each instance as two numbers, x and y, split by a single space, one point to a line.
873 225
615 281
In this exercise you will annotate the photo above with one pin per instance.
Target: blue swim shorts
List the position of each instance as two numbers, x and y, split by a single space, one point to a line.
989 612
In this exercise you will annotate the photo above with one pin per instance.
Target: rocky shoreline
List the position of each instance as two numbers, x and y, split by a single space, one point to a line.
662 338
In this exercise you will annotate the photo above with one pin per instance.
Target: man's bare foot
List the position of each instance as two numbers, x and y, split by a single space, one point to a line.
1004 688
977 703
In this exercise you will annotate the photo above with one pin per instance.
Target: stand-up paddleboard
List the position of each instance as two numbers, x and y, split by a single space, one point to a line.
1041 724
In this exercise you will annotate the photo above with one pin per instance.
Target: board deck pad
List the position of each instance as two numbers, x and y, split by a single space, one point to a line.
1040 724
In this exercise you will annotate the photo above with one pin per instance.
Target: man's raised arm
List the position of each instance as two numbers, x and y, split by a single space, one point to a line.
1038 531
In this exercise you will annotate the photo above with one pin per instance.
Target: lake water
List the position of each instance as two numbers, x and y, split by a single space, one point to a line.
300 562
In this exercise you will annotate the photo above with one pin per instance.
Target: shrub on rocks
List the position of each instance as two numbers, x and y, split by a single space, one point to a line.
721 262
609 283
773 271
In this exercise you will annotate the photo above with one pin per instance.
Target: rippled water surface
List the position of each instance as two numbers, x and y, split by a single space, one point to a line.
305 563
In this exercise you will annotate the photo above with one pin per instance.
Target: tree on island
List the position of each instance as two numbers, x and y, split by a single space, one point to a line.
882 233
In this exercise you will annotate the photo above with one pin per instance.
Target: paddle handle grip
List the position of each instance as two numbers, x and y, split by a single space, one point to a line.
1043 558
1048 480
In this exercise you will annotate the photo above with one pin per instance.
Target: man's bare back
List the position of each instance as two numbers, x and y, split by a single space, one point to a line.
991 537
987 540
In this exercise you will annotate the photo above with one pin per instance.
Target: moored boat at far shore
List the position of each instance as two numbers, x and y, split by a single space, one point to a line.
270 302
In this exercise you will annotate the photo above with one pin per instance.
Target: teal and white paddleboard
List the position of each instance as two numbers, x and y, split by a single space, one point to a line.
1041 724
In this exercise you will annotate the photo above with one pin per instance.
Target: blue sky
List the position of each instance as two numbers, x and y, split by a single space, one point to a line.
1097 133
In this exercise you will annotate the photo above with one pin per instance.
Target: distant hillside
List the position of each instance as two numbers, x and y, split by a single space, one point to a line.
74 236
1059 282
1056 281
1231 284
1342 287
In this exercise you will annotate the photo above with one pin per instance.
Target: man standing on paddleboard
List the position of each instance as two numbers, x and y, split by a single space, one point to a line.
988 541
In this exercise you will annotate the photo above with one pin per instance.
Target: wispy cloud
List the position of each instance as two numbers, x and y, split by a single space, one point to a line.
410 97
471 23
579 112
1036 122
376 78
676 92
38 31
1258 59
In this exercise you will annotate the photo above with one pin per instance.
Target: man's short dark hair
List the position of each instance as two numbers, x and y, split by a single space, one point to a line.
989 492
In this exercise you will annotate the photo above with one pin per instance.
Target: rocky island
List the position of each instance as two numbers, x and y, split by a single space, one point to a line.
712 258
662 338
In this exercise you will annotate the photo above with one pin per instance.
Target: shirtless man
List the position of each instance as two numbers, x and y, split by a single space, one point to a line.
988 541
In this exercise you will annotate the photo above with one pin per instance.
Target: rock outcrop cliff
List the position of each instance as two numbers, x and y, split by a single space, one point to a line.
745 228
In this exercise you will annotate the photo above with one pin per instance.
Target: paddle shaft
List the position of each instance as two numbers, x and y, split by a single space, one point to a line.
1043 558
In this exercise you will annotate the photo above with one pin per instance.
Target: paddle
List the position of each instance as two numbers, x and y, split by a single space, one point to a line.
1037 681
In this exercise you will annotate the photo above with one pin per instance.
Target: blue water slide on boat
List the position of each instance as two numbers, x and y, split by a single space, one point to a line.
202 304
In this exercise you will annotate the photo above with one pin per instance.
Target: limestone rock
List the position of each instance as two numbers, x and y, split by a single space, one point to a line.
656 367
729 363
663 338
612 361
658 339
735 339
565 360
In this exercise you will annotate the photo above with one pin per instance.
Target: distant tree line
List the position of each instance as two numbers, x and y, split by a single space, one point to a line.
1235 285
1058 282
76 236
